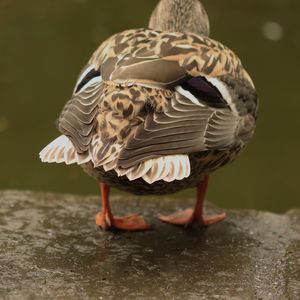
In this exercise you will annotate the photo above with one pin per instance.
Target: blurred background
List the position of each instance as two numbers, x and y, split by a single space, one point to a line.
44 44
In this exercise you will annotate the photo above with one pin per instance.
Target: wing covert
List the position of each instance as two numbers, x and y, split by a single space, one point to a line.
182 128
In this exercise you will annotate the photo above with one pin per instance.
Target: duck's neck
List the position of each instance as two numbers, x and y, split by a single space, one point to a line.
180 16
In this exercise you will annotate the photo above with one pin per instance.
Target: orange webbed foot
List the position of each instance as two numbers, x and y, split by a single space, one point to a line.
188 217
194 216
128 223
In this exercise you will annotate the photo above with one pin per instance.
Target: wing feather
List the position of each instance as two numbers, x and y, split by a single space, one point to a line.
78 119
175 132
152 143
154 58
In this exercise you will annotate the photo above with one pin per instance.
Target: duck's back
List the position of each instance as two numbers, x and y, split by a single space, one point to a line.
155 111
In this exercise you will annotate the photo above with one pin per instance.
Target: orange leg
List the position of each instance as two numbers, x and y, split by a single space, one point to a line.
106 220
196 216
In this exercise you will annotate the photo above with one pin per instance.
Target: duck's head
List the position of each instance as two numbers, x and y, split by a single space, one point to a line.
181 16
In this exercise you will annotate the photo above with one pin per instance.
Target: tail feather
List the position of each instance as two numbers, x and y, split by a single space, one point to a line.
61 150
167 168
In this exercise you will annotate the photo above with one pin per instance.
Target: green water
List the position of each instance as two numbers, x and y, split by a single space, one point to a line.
44 44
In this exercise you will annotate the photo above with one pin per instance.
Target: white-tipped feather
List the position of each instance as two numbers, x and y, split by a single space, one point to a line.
145 168
86 71
60 156
173 175
223 90
161 173
167 168
181 171
135 171
61 150
188 95
157 169
169 177
188 167
91 84
152 175
110 166
50 152
69 154
83 158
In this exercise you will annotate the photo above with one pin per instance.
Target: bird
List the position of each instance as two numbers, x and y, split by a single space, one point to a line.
156 110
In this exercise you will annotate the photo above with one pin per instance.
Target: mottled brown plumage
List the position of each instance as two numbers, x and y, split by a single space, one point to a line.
156 110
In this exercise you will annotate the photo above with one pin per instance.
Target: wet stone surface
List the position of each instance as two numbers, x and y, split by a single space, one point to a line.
51 248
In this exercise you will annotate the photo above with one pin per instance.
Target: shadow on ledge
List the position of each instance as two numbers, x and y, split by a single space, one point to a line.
51 248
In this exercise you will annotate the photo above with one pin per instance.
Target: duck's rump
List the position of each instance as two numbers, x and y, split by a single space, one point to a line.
202 163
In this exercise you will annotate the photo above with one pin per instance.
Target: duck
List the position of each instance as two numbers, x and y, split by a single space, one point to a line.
156 110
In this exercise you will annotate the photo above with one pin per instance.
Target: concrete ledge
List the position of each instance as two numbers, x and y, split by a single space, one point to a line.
50 248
